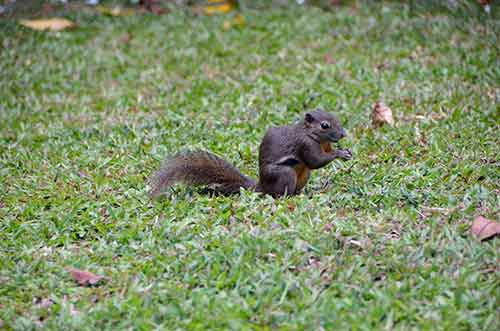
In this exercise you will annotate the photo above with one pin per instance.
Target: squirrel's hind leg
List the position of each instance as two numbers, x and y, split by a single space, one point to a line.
278 180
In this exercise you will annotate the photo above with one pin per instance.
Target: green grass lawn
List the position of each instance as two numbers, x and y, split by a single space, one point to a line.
380 242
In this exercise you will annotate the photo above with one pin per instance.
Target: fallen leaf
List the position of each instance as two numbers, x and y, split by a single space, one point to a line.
153 6
381 115
125 38
53 24
483 228
115 11
214 7
158 10
222 8
84 277
329 59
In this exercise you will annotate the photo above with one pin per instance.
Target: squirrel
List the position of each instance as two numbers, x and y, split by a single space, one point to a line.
287 154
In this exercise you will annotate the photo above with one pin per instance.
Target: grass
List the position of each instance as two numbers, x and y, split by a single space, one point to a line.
379 242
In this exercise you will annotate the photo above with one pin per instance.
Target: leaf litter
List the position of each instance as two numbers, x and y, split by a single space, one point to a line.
85 278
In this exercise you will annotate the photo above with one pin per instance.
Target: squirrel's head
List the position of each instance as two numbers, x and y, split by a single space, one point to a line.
323 126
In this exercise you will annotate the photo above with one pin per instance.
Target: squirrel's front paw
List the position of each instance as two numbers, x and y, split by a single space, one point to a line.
344 154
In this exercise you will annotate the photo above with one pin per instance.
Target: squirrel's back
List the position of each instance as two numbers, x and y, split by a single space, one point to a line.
279 143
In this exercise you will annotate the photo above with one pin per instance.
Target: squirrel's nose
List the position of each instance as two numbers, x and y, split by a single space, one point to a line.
343 134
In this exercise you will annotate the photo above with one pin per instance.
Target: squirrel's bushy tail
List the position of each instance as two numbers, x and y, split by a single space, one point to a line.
199 168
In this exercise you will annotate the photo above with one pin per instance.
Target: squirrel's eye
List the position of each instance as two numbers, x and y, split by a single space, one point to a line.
325 125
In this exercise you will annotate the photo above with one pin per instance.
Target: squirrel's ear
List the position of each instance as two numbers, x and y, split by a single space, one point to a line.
308 118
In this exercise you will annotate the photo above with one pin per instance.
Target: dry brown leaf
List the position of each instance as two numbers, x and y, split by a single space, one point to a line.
381 114
329 59
84 278
125 38
53 24
157 10
153 6
483 228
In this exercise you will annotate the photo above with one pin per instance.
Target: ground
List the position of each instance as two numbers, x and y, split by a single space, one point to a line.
378 242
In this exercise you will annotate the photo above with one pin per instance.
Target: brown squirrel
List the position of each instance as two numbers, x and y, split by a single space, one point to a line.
286 156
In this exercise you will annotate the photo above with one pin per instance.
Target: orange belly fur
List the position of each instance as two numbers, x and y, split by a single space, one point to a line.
303 173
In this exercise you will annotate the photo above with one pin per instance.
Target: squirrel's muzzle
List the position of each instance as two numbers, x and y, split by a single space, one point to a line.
337 135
